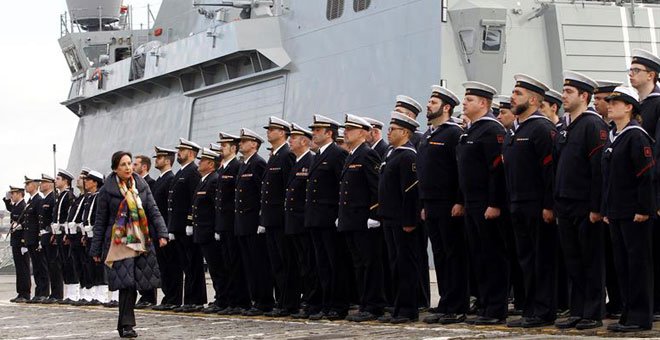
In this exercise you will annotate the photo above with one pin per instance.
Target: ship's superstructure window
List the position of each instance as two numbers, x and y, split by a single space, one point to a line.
361 5
334 9
492 40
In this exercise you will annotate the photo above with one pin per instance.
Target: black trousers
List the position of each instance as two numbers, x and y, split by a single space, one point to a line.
126 308
71 260
656 264
403 249
582 245
365 247
447 235
487 244
333 268
276 255
563 282
516 281
54 260
537 254
171 274
213 256
236 289
22 266
39 271
305 264
615 303
192 263
632 245
424 293
254 255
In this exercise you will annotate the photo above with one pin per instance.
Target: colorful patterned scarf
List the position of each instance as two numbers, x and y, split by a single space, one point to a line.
130 233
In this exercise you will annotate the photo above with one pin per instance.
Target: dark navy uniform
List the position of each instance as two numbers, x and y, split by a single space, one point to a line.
253 246
236 288
627 181
301 276
150 181
60 215
438 190
358 202
203 211
73 248
481 179
321 212
92 274
529 177
272 218
182 191
51 247
398 208
381 148
578 186
21 258
30 223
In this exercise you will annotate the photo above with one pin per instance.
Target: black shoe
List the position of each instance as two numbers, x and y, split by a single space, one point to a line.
486 321
517 323
302 314
51 301
66 301
19 299
403 319
471 321
278 313
588 324
163 307
212 309
451 318
317 316
433 318
362 317
385 319
111 304
389 309
253 312
567 323
81 302
95 302
334 315
187 309
535 322
515 311
127 332
617 327
143 305
37 299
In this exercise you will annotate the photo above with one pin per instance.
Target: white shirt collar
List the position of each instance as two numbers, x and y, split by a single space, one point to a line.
164 172
278 149
224 163
248 159
322 148
357 147
203 178
184 166
376 143
301 156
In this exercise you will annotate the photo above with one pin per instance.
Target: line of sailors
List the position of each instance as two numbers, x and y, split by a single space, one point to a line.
511 197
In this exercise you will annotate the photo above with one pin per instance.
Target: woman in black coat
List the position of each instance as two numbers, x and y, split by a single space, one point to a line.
125 231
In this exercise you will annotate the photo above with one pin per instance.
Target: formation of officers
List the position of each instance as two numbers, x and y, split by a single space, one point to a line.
556 215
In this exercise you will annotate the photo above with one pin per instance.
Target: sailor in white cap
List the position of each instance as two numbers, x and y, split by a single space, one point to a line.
506 116
578 186
92 278
170 270
274 182
251 236
31 237
604 89
180 228
67 212
481 178
320 219
14 203
410 108
48 240
529 176
552 102
629 204
375 137
302 275
358 200
397 208
442 209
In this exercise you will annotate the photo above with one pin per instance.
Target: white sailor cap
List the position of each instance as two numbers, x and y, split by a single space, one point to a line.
47 178
64 173
606 86
495 105
646 58
208 154
376 124
163 151
479 89
95 176
324 122
625 94
529 83
228 138
503 101
408 103
30 180
404 121
445 95
299 130
553 97
274 122
215 147
186 144
353 121
16 189
340 135
579 81
85 170
251 135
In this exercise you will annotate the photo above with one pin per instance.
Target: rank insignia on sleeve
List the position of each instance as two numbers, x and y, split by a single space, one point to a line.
648 152
500 139
603 135
414 167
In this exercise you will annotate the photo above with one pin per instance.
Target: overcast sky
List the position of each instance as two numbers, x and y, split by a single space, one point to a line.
34 80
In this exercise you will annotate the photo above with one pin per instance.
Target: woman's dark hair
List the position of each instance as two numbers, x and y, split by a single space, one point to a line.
116 157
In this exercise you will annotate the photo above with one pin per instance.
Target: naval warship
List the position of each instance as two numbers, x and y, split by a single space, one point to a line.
204 66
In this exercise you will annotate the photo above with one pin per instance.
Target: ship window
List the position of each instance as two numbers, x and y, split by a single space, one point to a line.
492 40
361 5
334 9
